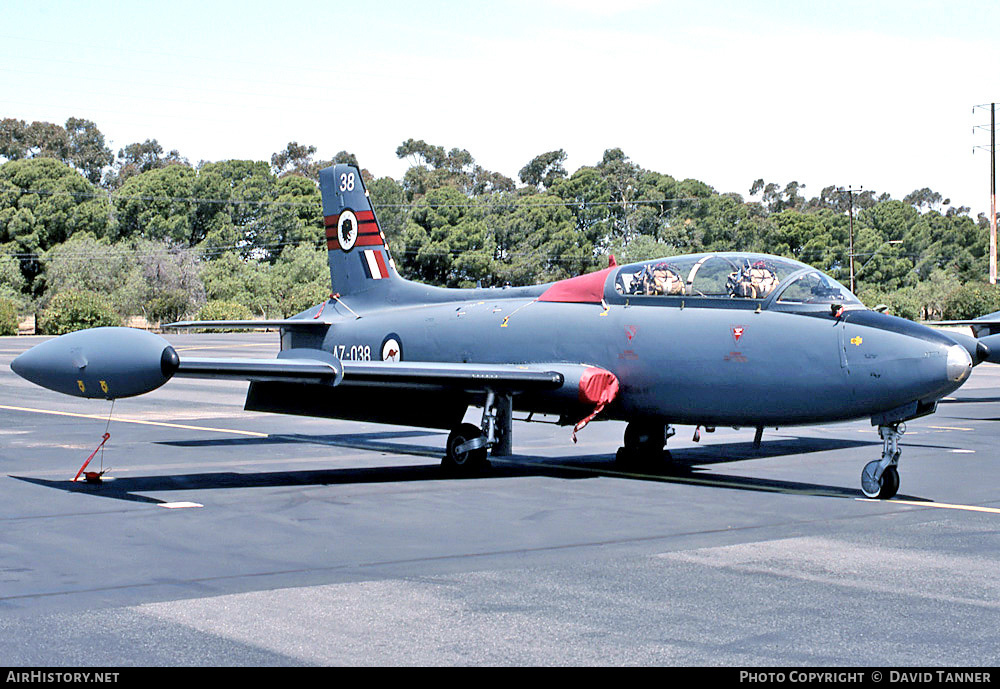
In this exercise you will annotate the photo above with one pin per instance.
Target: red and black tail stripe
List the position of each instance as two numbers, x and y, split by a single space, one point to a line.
368 231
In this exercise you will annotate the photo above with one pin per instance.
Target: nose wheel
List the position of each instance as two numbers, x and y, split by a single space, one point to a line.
879 487
880 478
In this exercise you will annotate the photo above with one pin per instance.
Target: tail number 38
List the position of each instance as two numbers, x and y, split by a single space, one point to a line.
347 181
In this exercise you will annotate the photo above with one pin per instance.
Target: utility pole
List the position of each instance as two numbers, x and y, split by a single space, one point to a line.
850 211
993 186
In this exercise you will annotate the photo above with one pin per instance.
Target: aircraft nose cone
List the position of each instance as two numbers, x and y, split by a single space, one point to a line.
959 364
30 365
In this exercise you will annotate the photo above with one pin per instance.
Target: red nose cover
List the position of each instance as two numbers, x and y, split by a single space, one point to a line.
599 388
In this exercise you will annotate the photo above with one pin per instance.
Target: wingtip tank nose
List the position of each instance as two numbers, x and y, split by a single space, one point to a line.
105 363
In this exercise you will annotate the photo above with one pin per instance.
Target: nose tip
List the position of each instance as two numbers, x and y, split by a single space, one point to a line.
959 364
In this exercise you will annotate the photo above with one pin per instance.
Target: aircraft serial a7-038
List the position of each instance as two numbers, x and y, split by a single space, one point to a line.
717 339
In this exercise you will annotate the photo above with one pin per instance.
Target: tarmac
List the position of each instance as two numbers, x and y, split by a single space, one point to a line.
220 537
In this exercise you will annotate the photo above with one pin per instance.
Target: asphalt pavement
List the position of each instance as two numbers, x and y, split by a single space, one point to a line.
221 537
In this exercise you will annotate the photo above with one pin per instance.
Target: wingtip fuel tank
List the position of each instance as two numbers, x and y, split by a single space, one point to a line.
103 363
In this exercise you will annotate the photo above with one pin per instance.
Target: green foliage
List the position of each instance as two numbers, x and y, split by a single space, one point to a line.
80 144
76 310
251 232
389 200
154 205
43 202
8 316
300 279
543 170
253 212
231 279
137 158
433 168
139 277
221 310
87 151
972 300
903 303
12 282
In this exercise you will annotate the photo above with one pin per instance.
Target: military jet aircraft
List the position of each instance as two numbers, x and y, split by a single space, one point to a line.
715 339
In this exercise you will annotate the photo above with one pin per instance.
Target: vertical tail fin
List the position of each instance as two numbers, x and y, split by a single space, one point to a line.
356 247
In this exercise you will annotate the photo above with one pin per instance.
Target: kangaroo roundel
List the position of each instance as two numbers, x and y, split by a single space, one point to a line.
391 349
347 230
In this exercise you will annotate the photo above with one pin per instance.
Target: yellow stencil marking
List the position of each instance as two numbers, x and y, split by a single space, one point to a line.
82 388
856 341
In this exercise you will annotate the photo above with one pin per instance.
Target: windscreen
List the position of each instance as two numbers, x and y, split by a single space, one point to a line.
816 288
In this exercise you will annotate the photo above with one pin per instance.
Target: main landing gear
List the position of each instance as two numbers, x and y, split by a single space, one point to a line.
644 446
468 444
880 477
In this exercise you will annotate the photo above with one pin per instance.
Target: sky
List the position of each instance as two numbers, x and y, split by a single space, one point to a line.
876 95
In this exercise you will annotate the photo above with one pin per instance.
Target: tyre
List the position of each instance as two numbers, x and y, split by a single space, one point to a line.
882 488
470 460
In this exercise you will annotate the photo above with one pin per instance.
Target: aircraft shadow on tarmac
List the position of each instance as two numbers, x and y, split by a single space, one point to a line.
683 469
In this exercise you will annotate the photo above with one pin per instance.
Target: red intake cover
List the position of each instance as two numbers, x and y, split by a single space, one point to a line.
598 387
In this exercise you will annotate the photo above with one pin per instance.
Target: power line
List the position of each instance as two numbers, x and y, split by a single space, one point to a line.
102 255
314 203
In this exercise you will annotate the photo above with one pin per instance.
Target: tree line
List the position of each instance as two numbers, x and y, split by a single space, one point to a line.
145 232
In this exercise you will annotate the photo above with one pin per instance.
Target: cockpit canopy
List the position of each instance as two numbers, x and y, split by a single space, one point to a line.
732 276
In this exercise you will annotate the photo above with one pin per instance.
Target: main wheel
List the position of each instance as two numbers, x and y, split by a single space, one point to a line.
881 488
470 460
644 447
645 437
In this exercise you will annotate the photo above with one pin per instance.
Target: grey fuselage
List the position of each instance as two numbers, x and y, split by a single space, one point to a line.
683 359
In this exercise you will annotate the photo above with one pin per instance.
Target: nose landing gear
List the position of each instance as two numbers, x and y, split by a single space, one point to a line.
880 477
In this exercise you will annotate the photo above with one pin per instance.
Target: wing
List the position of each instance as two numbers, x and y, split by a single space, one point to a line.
123 362
470 377
259 370
252 324
320 367
988 324
976 321
438 394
